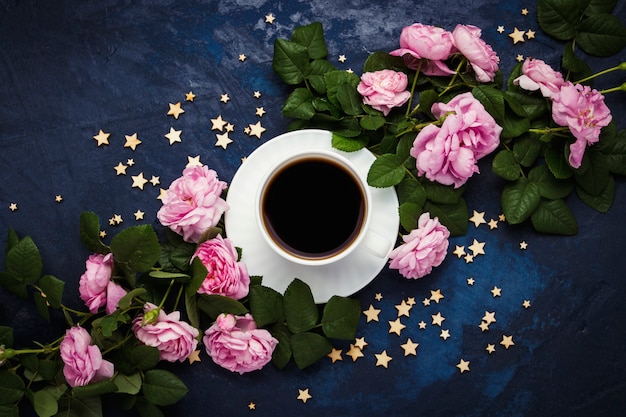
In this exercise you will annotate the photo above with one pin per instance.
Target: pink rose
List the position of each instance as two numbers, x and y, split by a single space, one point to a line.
175 339
448 154
583 110
235 343
95 286
423 248
481 56
83 361
430 44
384 90
193 203
537 75
225 276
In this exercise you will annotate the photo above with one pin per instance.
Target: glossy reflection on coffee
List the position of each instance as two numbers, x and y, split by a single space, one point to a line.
313 207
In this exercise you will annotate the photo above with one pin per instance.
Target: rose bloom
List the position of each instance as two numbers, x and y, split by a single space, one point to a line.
481 56
429 44
423 248
235 343
175 339
83 361
95 286
193 203
384 90
225 276
537 75
583 111
448 154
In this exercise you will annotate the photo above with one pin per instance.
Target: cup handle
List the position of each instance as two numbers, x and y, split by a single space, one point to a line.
376 244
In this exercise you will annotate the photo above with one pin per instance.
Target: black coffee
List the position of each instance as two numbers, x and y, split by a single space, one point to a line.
313 208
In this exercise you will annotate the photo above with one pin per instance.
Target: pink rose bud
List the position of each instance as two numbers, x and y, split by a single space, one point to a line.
93 283
426 47
384 90
537 75
481 56
83 361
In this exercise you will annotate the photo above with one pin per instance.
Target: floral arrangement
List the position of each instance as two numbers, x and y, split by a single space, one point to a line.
430 110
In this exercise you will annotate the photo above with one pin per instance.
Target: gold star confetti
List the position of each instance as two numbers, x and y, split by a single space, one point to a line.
493 224
478 218
396 326
496 291
523 245
382 359
507 341
13 206
445 334
403 309
335 355
139 215
132 141
490 348
102 138
437 319
193 161
229 127
484 326
519 58
349 71
371 313
139 181
517 36
223 140
471 281
102 234
111 221
526 304
342 58
530 34
378 296
224 98
162 194
218 123
426 302
502 217
173 136
436 295
194 357
477 248
242 57
410 301
251 406
58 198
117 219
190 96
468 259
489 317
500 29
524 12
175 110
360 342
269 18
410 347
154 180
459 251
260 111
463 366
130 162
257 94
256 129
354 352
422 325
303 395
120 169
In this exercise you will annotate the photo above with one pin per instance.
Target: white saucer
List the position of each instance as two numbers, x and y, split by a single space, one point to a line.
344 277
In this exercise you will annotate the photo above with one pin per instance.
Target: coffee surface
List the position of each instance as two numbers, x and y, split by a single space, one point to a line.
313 208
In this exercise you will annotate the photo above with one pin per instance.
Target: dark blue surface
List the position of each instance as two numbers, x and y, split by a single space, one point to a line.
70 68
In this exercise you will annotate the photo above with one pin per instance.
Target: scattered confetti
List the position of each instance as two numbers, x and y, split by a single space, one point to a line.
257 94
459 251
490 348
436 295
500 29
335 355
524 12
58 198
519 58
130 162
410 301
507 341
422 325
463 366
426 302
260 111
269 18
251 406
496 291
139 181
410 347
526 304
173 135
102 138
478 218
403 309
242 57
13 206
517 36
502 217
484 326
190 96
438 319
523 245
303 395
477 248
193 161
103 234
139 215
471 281
154 180
354 352
445 334
371 313
360 342
120 169
489 317
342 58
530 34
175 110
468 259
223 140
378 296
224 98
382 359
396 326
132 141
218 123
493 224
256 129
194 357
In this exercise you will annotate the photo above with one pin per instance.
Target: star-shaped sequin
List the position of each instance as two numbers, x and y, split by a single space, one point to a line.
132 141
102 138
13 206
242 57
360 342
490 348
223 140
526 304
335 355
497 292
139 215
507 341
218 123
403 309
303 395
371 313
354 352
194 357
382 359
445 334
224 98
193 161
175 110
269 18
459 251
478 218
477 248
517 35
530 34
396 326
436 295
256 129
120 169
410 347
190 96
463 366
173 135
260 111
437 319
523 245
493 224
139 181
342 58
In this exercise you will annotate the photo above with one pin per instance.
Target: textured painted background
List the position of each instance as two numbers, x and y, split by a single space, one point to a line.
70 68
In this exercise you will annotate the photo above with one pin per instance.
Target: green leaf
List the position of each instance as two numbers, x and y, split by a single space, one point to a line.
162 387
147 409
601 202
299 104
317 69
341 317
176 276
45 404
48 369
444 194
601 35
282 352
312 37
520 200
348 144
144 357
128 384
386 171
11 387
600 6
191 307
453 216
426 100
198 275
290 61
301 312
380 60
571 62
492 99
349 99
13 284
558 18
372 122
336 79
558 165
505 166
308 348
533 106
53 288
594 179
110 323
411 190
214 305
514 125
553 216
526 150
549 187
12 239
80 407
409 214
6 336
41 305
137 247
24 261
90 233
125 302
614 149
266 305
95 389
